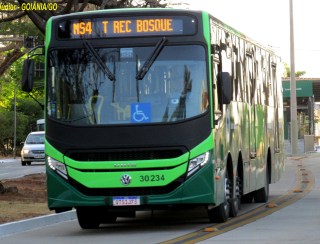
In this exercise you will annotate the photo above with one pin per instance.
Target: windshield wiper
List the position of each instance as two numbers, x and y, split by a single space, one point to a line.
148 63
146 66
100 62
102 66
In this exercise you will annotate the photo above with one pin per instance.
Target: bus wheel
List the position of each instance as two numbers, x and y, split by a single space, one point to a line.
109 218
88 218
235 201
221 213
262 195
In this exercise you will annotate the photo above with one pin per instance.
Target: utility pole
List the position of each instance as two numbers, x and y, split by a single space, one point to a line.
293 95
15 122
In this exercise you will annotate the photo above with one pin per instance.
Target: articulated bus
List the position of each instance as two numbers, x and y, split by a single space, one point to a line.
155 108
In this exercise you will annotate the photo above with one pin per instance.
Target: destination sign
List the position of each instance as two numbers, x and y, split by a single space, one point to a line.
126 27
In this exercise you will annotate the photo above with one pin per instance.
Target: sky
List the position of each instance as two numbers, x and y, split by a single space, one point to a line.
268 22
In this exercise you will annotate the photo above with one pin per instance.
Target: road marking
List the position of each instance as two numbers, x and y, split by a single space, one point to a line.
304 182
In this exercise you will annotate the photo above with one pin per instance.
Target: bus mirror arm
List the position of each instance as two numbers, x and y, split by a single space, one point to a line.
40 104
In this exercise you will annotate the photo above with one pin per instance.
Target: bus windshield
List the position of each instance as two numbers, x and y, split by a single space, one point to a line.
103 86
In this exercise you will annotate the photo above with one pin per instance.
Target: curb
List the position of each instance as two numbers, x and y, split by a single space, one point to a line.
34 223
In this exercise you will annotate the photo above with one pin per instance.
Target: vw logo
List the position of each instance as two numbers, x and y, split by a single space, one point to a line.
125 179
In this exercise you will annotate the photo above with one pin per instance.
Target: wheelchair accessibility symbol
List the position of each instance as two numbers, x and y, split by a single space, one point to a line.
140 112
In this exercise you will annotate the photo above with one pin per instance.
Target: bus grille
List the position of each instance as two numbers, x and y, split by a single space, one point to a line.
125 155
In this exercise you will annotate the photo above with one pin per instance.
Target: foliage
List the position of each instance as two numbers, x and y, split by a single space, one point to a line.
20 27
27 110
287 72
12 34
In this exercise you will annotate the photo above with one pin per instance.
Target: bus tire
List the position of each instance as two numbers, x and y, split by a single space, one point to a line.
235 201
109 219
88 218
219 214
262 195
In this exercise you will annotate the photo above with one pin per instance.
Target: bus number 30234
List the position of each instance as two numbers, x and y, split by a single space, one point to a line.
151 178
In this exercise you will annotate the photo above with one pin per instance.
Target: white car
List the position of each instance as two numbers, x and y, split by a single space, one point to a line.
317 148
33 148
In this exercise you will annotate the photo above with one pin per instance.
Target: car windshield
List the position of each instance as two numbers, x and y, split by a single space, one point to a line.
108 86
35 139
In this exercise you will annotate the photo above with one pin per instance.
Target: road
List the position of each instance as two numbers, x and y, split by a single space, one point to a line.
11 168
295 220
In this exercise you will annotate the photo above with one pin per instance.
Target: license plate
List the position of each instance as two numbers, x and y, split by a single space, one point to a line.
39 156
126 201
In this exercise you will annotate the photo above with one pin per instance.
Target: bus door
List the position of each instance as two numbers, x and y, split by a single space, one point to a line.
251 120
220 63
219 135
277 131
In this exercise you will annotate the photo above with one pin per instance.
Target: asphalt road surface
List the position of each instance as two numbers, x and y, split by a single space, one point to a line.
11 168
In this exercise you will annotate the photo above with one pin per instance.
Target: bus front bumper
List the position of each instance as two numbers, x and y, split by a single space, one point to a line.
196 190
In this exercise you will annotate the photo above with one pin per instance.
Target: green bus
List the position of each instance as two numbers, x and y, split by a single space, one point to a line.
148 109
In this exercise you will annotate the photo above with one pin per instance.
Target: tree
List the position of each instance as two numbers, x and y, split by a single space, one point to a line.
15 23
27 110
12 35
287 72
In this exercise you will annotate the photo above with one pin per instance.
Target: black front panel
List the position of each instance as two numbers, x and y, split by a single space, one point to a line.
105 139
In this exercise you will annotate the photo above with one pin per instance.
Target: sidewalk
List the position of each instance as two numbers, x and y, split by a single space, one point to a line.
298 223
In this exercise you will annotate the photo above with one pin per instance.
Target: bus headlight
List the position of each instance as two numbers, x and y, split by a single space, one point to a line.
196 163
58 167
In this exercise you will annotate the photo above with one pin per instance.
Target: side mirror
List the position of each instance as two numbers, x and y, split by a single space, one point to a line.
226 87
27 75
